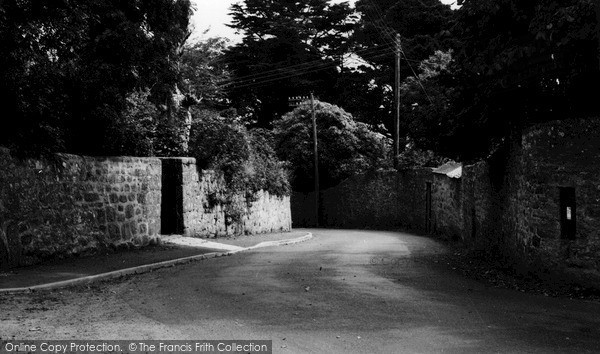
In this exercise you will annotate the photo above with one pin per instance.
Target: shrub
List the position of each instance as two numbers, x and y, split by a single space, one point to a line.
244 157
346 147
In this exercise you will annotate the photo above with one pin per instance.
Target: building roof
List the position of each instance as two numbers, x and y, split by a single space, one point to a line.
450 169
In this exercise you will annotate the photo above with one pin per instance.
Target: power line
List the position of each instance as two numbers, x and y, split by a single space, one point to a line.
265 82
418 80
266 77
389 32
380 47
290 71
285 72
278 71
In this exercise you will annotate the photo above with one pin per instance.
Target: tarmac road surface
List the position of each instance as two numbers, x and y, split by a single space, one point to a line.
344 291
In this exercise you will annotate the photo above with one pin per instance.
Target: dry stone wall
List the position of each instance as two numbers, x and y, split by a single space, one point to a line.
72 204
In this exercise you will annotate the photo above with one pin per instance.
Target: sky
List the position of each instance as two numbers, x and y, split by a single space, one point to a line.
212 15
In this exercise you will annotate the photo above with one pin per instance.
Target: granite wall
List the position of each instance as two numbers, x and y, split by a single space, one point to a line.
537 199
71 204
447 207
549 162
378 200
67 205
210 211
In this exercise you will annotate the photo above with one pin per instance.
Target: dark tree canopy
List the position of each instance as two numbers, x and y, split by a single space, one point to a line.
203 69
522 62
68 67
424 27
290 48
427 116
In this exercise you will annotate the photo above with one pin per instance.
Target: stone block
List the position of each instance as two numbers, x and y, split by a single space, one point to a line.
129 211
133 226
143 228
91 197
101 215
126 231
111 214
114 232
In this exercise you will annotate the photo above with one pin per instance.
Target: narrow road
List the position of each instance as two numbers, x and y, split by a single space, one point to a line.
342 292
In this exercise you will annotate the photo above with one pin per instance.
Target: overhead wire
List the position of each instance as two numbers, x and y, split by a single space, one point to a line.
291 68
390 32
418 79
262 83
266 77
284 73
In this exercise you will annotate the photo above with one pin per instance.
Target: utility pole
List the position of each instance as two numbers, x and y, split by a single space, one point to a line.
598 20
316 153
397 101
295 102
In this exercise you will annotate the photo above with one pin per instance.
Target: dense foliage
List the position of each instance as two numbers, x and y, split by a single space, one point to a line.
427 104
424 26
245 157
289 48
345 147
203 69
113 77
67 68
522 62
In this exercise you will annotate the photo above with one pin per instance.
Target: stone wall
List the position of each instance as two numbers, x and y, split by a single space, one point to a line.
477 204
387 200
382 199
548 158
447 208
510 203
72 204
206 212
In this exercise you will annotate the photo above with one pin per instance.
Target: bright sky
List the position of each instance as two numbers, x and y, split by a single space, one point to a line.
212 15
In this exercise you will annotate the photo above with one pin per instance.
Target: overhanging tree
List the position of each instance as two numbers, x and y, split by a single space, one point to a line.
522 62
67 68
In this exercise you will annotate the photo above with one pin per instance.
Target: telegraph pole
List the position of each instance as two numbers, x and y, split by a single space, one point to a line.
598 18
316 153
397 101
294 102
